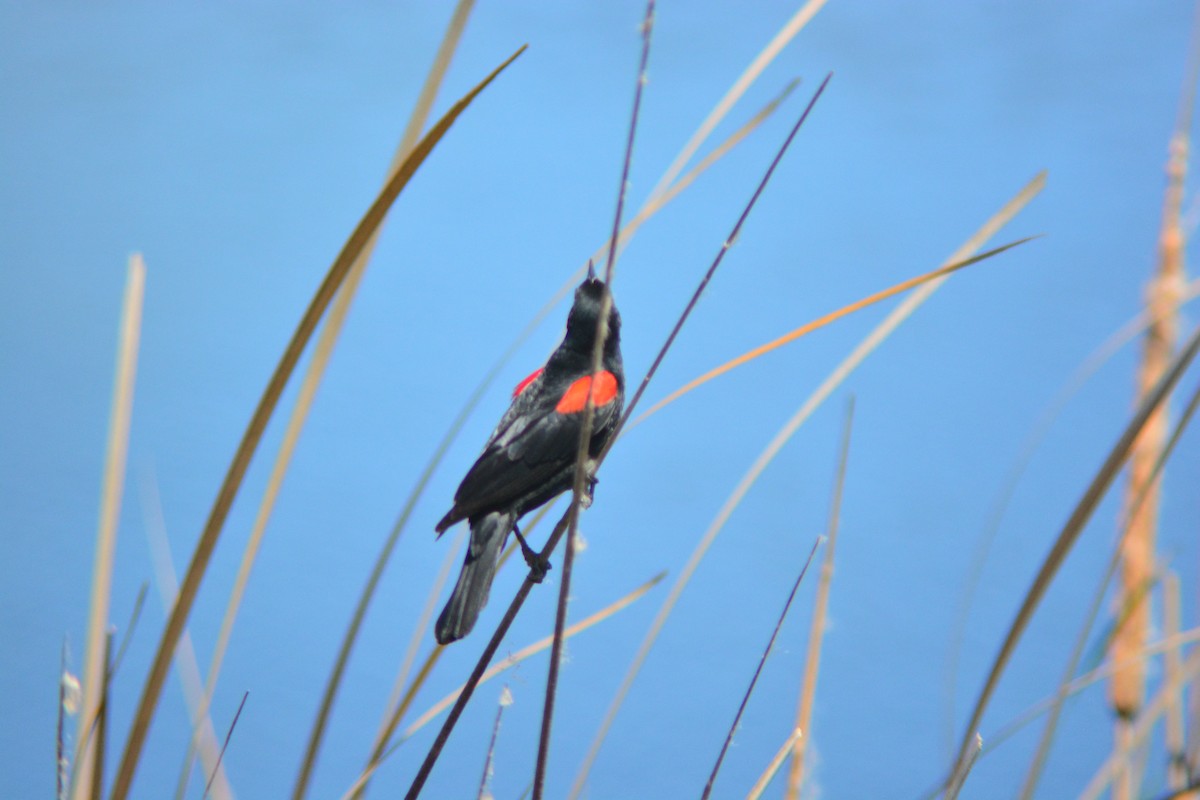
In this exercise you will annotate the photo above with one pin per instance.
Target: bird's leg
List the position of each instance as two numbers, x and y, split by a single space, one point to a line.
539 565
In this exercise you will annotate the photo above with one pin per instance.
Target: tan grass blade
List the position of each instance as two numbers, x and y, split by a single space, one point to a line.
1137 561
1042 752
1102 672
489 760
1177 773
1040 429
316 371
768 775
500 666
62 765
110 508
1141 727
152 689
394 710
816 630
101 748
821 322
956 782
788 32
418 637
1070 533
186 665
835 379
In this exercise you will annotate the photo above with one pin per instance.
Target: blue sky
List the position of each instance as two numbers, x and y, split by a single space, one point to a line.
236 147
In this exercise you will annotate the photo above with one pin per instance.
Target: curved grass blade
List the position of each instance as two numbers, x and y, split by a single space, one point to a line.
95 665
1040 429
152 688
1069 534
313 376
1141 493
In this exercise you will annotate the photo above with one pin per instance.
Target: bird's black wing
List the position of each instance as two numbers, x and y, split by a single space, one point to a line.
528 453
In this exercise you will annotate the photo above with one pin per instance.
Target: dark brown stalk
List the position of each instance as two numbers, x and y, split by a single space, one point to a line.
585 433
737 718
190 587
228 735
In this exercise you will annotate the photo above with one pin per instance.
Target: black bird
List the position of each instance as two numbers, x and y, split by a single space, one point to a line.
530 457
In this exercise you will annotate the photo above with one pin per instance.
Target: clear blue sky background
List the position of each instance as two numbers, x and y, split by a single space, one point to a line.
236 147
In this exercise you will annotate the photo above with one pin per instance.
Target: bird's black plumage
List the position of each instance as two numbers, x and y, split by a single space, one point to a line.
530 457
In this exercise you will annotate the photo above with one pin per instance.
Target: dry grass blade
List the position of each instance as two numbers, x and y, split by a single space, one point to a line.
61 765
152 688
1177 766
821 322
488 762
1029 447
225 745
186 665
95 665
960 777
744 81
312 378
737 718
816 631
1141 728
583 448
506 663
399 701
1139 495
101 747
772 769
418 635
839 374
1070 533
1137 561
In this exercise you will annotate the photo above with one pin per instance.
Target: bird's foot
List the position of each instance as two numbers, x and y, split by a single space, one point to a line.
539 565
589 492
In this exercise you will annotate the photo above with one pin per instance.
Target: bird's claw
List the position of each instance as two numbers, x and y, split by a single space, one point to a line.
539 565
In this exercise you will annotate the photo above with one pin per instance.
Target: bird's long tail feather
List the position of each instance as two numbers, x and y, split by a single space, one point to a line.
470 594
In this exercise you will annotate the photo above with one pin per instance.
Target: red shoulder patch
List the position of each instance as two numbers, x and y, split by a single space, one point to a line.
533 377
575 398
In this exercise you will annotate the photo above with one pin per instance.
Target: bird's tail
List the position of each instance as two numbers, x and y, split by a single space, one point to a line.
475 581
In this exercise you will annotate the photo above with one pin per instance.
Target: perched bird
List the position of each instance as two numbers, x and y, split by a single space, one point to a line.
530 457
